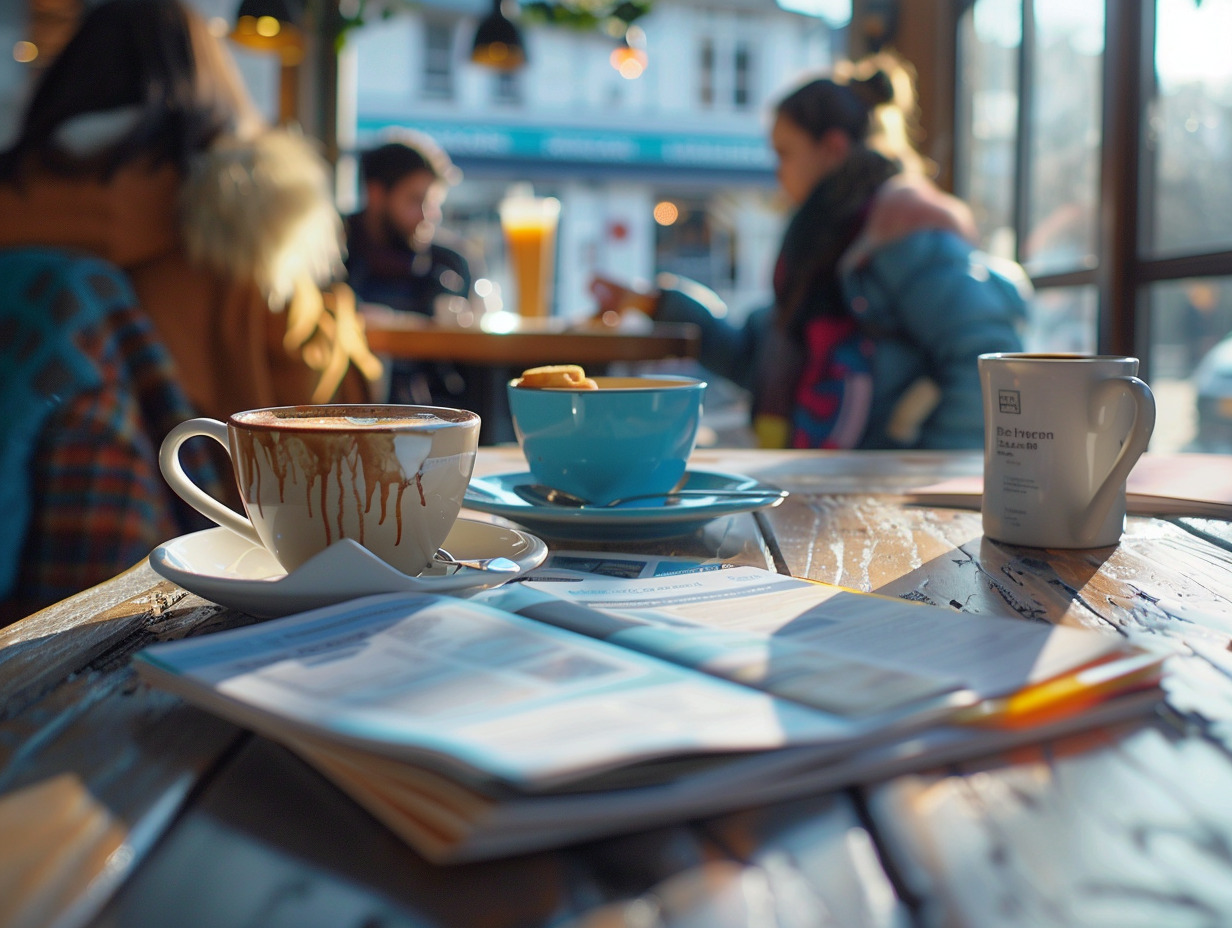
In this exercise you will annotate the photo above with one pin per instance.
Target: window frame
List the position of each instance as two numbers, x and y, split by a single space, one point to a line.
439 83
707 72
743 63
507 89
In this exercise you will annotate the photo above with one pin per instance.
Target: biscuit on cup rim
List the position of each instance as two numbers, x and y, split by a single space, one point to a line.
557 376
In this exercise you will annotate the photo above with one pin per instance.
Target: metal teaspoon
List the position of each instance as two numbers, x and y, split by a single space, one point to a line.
500 565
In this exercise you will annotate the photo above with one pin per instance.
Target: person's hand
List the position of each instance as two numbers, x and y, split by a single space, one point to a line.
613 297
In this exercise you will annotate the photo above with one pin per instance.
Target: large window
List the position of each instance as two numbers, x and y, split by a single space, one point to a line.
987 117
1095 144
1063 135
1190 132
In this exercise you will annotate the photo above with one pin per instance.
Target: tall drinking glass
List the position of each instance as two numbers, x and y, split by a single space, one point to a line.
529 223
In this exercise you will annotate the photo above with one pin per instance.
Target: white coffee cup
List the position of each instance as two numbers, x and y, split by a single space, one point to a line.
1061 434
390 477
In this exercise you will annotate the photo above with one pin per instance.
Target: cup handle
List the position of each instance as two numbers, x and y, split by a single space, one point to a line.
1092 518
173 473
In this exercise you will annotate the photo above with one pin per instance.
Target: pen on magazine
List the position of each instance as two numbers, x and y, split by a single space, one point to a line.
1068 693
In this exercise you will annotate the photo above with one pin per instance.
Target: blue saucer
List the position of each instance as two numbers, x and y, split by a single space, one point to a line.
642 519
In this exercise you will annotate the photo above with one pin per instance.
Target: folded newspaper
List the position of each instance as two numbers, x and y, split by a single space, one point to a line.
612 692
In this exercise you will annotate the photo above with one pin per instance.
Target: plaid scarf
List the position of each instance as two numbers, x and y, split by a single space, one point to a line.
814 346
88 393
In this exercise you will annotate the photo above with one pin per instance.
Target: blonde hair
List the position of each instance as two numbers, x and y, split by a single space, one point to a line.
220 85
894 127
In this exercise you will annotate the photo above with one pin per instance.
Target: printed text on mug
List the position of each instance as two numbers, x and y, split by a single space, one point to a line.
1025 439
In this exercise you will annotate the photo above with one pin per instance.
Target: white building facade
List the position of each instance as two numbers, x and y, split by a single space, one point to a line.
689 135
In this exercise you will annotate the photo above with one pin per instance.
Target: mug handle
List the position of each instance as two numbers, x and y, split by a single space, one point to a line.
1107 393
173 473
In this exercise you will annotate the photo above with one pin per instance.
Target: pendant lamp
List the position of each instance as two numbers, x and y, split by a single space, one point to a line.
498 42
268 25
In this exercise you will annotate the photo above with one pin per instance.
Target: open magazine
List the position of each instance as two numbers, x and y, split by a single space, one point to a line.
612 692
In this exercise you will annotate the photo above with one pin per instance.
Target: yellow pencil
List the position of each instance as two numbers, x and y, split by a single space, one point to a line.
1067 693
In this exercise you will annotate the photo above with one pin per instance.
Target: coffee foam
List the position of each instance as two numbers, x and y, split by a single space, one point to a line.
349 419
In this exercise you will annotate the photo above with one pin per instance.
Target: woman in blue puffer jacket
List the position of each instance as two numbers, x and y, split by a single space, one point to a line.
883 301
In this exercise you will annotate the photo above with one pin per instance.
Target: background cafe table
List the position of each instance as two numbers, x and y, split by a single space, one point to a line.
505 344
121 806
521 342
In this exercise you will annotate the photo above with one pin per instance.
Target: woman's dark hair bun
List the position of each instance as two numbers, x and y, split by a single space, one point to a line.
874 90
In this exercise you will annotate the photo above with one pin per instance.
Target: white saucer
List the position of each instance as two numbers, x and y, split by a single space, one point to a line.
639 520
220 566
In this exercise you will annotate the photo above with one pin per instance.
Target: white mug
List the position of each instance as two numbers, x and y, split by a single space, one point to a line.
390 477
1061 434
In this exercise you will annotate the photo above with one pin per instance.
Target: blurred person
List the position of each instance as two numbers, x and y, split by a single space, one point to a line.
141 146
395 250
162 253
396 256
882 301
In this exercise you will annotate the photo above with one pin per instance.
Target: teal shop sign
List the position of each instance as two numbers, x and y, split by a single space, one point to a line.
721 152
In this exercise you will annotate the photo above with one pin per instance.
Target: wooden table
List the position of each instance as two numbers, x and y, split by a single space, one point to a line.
121 806
526 342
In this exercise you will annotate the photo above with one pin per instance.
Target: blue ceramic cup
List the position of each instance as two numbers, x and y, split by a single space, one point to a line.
632 435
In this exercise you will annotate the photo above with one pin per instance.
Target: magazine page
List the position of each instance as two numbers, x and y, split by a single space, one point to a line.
460 686
845 652
834 683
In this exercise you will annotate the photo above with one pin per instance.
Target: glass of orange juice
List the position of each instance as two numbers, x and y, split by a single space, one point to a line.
529 223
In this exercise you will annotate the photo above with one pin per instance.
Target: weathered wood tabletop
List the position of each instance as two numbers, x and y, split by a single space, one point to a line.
121 806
